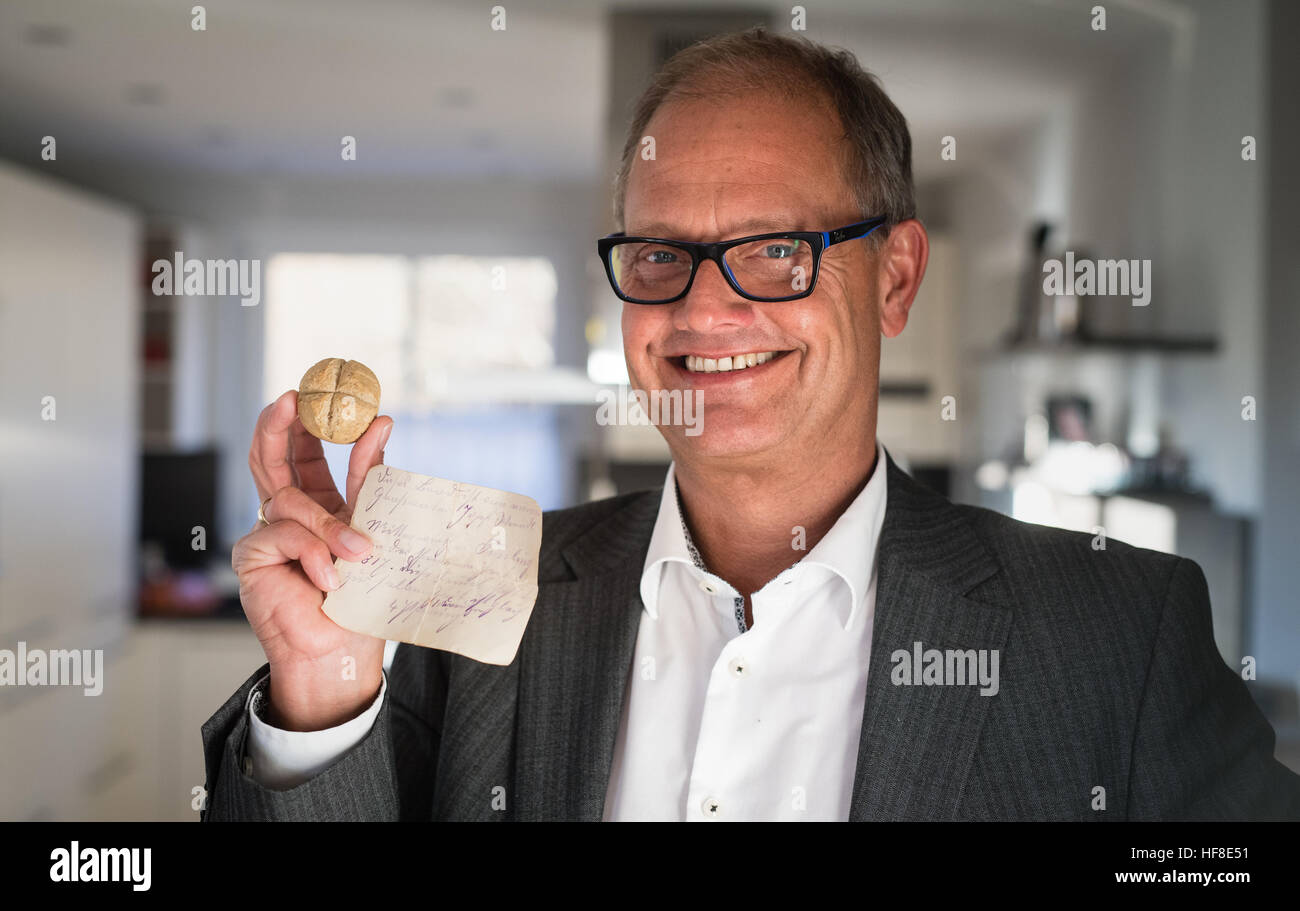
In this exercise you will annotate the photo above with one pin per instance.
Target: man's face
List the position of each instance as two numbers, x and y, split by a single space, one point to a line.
741 165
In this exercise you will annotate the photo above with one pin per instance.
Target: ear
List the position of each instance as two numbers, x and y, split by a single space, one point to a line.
903 259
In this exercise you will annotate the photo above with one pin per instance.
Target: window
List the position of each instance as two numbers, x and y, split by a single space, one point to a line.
438 331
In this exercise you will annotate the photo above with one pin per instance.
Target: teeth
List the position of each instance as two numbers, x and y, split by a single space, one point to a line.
735 362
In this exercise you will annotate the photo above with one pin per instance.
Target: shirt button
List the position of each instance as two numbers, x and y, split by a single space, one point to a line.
708 587
248 765
739 667
712 808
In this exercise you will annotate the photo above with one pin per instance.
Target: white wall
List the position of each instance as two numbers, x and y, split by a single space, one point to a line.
1274 635
1211 206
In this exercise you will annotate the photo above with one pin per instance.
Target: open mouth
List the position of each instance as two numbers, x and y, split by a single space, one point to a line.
697 364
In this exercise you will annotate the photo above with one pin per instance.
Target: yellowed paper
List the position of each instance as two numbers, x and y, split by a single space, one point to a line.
454 565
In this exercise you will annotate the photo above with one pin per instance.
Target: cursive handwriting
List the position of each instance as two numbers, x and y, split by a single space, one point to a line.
453 565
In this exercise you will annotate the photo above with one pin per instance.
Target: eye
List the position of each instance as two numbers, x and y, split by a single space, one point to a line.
783 249
661 257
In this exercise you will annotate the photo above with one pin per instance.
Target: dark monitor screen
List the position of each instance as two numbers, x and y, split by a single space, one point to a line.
177 492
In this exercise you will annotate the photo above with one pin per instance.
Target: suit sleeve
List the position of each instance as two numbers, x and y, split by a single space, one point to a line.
388 775
1202 748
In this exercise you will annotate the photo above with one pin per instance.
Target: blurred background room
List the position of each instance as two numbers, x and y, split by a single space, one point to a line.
454 253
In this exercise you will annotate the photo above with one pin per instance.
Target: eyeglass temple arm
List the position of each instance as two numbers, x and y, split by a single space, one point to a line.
852 232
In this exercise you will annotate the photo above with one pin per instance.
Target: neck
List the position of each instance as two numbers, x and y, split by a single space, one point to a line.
746 522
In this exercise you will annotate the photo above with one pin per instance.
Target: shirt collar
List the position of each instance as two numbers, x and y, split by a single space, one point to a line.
847 550
667 544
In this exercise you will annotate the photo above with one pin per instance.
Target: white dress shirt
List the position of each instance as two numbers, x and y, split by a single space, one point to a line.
724 723
720 722
280 759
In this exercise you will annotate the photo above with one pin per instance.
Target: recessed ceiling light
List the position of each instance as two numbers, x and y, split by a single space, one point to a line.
146 93
48 35
456 96
218 136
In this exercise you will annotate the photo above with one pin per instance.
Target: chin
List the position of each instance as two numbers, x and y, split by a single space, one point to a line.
724 436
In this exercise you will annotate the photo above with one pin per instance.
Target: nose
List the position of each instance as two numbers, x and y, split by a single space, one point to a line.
712 304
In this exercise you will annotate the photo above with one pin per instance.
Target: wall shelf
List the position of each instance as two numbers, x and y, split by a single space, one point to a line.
1137 344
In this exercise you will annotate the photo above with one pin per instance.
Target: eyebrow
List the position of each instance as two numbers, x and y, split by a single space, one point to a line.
764 225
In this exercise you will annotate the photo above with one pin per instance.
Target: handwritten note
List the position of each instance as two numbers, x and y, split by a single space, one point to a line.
454 566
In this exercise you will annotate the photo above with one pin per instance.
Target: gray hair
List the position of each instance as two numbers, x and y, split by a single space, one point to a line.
878 153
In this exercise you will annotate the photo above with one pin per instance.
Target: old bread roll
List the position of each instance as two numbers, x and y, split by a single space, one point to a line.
338 399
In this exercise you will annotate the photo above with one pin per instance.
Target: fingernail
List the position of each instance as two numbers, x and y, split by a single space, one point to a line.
332 578
353 541
383 441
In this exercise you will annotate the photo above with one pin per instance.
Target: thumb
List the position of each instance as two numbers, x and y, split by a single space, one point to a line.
367 452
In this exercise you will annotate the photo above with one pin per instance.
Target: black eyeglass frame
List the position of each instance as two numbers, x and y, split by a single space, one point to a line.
817 240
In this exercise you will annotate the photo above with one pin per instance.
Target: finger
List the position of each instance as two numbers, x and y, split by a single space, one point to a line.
268 457
312 471
292 503
284 541
367 452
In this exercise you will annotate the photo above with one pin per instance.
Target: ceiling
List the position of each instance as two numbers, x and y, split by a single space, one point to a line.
429 89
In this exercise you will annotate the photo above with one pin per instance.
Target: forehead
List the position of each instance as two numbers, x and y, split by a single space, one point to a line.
726 164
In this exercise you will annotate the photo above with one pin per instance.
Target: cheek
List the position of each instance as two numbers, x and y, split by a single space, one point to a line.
830 319
640 325
839 326
854 314
635 331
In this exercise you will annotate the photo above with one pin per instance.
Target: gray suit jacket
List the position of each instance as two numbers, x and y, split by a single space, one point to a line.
1110 678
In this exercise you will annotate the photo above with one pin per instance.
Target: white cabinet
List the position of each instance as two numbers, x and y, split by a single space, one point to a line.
924 356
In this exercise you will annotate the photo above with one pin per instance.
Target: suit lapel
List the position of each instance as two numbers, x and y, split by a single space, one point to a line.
575 659
918 742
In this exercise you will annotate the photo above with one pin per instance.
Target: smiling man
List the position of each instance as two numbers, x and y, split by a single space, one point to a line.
791 628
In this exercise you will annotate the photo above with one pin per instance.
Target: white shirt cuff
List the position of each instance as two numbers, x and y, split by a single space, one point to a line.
280 760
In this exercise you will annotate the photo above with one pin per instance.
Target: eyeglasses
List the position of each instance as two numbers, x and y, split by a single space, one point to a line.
765 267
